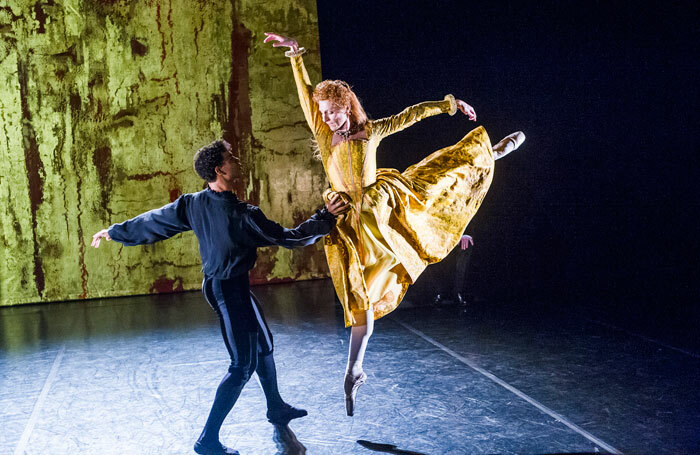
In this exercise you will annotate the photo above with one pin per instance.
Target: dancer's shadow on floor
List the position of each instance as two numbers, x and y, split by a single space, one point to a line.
390 448
287 442
386 448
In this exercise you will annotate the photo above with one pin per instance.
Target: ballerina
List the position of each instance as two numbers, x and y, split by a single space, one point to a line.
398 222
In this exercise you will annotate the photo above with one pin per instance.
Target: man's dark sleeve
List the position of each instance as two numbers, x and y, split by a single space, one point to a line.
154 225
269 233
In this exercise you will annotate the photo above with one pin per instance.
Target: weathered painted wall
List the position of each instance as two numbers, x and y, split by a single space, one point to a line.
103 104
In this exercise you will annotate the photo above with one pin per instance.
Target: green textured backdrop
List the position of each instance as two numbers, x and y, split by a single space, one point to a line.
103 104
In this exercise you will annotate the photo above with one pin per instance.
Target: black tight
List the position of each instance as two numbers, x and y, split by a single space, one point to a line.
249 344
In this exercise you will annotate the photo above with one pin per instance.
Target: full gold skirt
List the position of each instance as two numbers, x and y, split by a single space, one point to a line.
405 222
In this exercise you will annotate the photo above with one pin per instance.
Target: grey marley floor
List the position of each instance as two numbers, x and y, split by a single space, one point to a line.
137 376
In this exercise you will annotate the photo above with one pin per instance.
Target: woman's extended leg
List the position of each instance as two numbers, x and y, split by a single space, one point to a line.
359 337
382 286
354 374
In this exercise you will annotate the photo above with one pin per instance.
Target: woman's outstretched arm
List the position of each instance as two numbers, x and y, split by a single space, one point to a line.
410 115
304 87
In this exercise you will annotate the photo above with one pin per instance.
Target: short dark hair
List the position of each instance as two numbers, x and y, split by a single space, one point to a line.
208 158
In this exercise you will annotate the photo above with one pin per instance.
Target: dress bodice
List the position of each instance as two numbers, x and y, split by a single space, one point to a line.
351 165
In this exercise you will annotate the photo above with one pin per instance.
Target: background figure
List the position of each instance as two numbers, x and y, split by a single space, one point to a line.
446 282
462 252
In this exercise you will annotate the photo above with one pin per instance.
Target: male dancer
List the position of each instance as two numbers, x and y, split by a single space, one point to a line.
229 232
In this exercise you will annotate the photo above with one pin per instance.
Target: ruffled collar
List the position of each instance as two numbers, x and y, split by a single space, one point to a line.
344 136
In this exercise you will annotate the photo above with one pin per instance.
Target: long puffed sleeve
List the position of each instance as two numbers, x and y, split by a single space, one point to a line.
154 225
390 125
270 233
308 105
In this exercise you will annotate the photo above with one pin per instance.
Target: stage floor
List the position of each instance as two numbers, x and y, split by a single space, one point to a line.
137 376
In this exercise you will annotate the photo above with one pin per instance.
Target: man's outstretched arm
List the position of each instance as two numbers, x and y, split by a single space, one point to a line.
319 224
149 227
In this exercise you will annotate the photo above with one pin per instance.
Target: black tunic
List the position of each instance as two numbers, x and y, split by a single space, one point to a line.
229 230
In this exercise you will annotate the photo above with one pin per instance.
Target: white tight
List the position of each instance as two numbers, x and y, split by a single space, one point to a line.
359 337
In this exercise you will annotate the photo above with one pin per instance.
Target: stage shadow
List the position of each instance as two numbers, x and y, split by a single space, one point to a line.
287 442
390 448
386 448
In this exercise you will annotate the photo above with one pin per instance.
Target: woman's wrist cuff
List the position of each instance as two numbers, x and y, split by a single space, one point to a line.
294 53
453 104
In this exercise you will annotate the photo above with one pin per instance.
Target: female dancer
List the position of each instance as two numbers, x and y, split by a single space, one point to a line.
398 222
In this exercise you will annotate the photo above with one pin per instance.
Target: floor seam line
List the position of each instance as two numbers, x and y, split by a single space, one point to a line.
510 388
26 434
643 337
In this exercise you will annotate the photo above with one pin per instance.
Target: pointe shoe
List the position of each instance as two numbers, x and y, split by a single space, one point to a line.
508 144
350 397
283 414
216 449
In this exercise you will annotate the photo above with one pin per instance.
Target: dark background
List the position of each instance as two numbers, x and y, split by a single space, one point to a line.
596 213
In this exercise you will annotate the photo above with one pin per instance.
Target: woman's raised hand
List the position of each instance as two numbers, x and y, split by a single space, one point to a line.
466 110
280 41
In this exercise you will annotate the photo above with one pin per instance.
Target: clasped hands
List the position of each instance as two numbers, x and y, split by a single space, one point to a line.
336 205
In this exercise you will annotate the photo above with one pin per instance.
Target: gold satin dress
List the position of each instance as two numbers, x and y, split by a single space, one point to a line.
399 222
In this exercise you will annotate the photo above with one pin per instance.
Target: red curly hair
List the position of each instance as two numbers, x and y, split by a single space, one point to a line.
340 93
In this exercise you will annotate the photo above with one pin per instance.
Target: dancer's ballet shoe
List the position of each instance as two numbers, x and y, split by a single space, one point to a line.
508 144
214 449
353 384
283 414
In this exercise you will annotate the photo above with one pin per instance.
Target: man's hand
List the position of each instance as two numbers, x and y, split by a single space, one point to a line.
103 234
465 241
336 205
